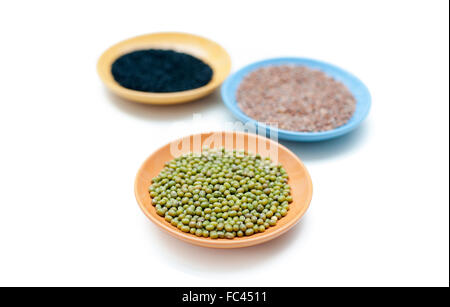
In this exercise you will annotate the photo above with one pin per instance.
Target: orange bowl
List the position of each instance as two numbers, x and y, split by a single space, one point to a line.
299 180
206 50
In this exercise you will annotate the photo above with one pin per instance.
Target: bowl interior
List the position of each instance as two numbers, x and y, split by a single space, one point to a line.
206 50
299 180
356 87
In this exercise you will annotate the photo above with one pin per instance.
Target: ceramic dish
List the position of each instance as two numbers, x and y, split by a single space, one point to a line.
356 87
202 48
299 180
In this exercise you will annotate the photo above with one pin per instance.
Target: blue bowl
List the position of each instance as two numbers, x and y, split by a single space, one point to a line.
356 87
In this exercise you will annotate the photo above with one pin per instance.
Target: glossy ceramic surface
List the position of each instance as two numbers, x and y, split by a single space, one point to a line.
208 51
356 87
299 180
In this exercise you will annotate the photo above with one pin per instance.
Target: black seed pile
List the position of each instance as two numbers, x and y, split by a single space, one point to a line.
160 71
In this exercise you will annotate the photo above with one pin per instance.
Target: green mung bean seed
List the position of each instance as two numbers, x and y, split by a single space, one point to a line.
221 194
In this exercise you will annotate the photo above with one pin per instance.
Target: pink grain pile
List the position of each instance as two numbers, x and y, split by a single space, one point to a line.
296 98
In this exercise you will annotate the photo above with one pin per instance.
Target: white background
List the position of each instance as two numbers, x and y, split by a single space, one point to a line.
69 150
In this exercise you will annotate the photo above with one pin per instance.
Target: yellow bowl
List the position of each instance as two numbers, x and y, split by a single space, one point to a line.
206 50
299 180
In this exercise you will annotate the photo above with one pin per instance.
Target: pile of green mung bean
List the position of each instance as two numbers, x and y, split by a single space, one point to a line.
221 194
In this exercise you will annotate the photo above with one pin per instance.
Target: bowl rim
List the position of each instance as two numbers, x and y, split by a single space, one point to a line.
228 98
109 81
237 242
